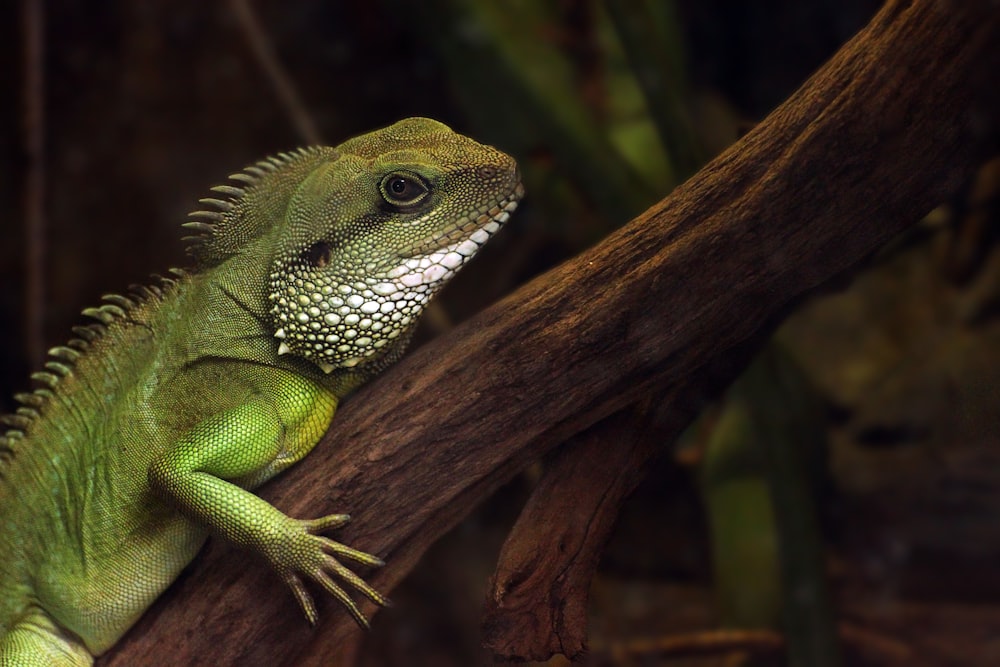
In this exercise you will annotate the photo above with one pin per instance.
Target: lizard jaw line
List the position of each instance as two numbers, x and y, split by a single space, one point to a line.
438 266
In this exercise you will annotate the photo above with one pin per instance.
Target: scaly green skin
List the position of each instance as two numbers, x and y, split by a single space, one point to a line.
148 431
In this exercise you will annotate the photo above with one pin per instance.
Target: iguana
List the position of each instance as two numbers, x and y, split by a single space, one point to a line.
148 429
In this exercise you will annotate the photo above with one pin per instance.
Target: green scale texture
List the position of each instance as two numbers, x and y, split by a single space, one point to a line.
147 431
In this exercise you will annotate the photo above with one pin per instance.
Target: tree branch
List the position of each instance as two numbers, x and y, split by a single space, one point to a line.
866 147
537 605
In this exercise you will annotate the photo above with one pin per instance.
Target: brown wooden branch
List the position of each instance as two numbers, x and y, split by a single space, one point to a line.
710 642
866 147
537 605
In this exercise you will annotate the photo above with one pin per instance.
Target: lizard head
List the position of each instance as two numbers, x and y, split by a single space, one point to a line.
371 235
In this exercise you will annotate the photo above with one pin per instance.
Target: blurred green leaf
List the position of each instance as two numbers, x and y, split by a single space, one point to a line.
763 458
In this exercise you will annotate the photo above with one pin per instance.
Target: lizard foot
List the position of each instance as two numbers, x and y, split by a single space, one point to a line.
304 553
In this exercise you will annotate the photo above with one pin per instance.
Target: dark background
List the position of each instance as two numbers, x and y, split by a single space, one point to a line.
148 104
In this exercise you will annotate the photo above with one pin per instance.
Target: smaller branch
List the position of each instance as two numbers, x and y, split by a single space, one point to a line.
879 648
537 605
708 642
270 64
538 600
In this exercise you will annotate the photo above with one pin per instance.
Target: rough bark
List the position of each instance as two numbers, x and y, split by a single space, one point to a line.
866 147
537 605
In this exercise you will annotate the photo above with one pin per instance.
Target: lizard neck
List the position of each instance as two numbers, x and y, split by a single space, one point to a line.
231 321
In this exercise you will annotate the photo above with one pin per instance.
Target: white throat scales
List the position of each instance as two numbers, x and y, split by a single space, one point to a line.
338 324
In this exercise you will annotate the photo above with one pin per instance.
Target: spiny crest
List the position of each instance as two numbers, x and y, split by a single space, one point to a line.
63 358
220 229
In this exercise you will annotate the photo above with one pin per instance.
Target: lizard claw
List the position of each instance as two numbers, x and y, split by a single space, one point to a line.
315 560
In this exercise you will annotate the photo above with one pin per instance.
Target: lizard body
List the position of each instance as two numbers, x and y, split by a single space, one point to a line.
148 430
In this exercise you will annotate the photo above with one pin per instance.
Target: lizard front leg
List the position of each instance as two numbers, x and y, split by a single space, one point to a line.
200 474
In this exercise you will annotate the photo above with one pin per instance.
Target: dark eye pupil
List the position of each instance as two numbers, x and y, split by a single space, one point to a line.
403 190
318 254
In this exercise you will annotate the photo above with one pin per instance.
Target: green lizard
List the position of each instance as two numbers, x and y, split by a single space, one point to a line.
148 430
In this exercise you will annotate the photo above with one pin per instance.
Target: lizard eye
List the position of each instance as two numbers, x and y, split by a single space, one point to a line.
403 189
318 254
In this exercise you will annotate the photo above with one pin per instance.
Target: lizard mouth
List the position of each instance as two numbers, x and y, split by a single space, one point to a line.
437 259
